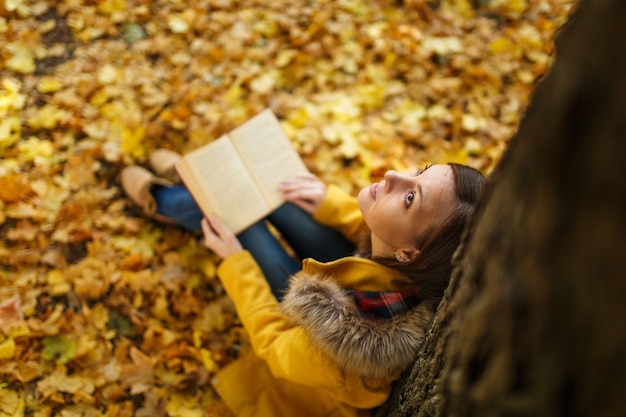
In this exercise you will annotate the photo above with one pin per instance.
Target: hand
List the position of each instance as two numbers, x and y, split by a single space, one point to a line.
305 190
218 238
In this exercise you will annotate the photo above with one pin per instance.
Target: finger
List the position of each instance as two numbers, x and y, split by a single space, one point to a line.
211 240
217 226
206 227
295 195
306 205
299 180
221 229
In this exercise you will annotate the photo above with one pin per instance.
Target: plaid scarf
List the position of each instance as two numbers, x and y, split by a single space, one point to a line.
386 305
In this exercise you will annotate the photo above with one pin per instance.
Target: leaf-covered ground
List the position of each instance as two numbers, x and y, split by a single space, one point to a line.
103 312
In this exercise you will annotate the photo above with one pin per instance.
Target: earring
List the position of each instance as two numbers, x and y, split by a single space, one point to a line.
400 258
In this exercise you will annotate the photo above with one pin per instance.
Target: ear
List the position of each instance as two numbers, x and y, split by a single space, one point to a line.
406 254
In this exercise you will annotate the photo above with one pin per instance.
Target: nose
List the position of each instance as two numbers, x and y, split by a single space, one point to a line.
392 177
390 174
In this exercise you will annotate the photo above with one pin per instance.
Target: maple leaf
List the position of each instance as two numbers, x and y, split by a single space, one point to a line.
22 59
14 187
47 117
132 141
10 130
138 375
153 406
11 403
35 150
59 349
11 315
60 381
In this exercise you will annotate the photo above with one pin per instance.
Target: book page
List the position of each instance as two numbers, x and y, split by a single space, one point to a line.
221 184
268 153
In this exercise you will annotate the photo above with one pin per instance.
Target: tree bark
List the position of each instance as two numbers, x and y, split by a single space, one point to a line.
534 320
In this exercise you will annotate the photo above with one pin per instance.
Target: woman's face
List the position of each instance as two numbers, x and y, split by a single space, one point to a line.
402 209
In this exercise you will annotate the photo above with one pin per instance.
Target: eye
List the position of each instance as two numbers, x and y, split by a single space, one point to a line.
408 200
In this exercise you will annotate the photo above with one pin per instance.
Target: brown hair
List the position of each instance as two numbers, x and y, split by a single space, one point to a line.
432 268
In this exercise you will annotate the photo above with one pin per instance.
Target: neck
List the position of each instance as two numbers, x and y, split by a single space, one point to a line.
381 249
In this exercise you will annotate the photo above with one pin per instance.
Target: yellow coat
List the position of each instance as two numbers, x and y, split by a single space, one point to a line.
296 368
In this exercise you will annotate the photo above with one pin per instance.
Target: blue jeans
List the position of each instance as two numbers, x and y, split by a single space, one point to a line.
307 238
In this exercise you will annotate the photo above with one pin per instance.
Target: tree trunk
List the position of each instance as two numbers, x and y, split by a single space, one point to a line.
534 321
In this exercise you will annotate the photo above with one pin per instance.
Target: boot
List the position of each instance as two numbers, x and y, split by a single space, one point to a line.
162 162
136 182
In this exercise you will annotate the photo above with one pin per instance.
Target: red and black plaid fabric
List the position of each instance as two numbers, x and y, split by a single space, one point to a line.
386 305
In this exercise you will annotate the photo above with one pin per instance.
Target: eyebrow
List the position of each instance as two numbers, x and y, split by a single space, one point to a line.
419 186
419 190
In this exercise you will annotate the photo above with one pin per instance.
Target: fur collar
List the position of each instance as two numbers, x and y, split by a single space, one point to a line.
370 349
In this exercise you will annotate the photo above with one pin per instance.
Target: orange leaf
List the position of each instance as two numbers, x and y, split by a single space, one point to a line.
13 188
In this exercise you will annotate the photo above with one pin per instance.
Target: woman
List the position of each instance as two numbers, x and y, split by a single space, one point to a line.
347 326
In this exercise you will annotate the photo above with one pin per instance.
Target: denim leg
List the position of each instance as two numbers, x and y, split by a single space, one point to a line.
176 202
307 237
272 258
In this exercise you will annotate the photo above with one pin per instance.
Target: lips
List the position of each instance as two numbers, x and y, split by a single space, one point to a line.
373 189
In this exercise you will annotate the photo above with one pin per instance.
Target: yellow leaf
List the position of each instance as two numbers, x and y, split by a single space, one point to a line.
371 96
160 308
208 361
264 83
58 285
473 147
11 403
266 27
7 348
472 123
22 59
108 74
197 338
208 268
443 45
182 406
177 24
34 149
514 7
20 331
358 7
59 381
46 117
132 141
144 244
285 57
142 280
112 6
233 95
461 7
49 84
10 131
502 45
10 97
19 6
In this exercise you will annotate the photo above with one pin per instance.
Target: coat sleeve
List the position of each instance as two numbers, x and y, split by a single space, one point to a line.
284 347
341 211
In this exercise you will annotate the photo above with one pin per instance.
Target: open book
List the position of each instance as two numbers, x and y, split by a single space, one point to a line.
236 176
